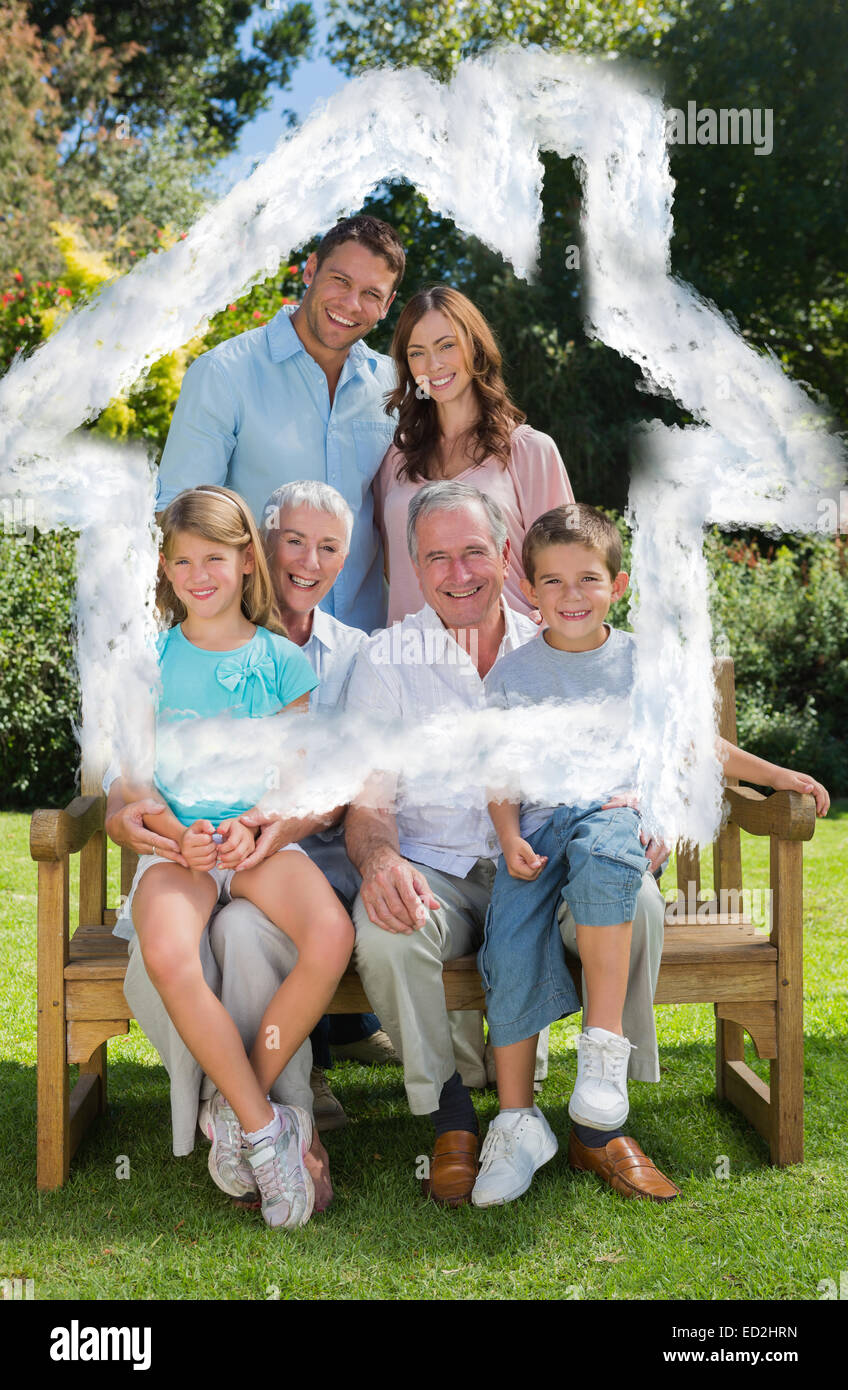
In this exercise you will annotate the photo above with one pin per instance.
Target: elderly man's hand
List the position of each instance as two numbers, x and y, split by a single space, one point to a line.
126 827
395 894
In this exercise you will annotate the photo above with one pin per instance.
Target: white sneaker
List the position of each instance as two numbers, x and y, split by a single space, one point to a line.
599 1100
279 1166
228 1165
515 1146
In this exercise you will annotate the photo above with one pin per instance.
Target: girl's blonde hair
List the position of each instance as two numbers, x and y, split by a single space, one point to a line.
218 514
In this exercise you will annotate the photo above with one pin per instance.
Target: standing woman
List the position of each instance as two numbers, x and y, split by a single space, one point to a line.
456 420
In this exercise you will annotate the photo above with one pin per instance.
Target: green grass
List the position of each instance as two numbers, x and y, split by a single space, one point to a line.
167 1233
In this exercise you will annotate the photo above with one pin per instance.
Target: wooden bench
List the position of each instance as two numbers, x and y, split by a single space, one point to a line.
753 980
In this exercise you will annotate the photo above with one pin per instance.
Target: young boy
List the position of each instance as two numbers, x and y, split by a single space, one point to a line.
590 856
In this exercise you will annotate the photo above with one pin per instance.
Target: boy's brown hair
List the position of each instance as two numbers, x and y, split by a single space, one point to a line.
574 523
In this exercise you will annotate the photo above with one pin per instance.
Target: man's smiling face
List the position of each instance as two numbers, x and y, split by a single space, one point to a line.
459 568
346 296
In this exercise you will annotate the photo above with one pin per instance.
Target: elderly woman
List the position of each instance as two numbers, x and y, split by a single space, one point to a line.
456 420
306 530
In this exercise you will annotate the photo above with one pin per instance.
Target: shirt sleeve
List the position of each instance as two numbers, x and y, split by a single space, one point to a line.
538 475
295 676
203 432
370 687
111 775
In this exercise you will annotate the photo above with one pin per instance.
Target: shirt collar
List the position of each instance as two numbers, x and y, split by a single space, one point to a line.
323 629
515 634
283 343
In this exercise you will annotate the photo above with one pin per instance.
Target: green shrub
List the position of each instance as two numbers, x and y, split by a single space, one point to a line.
781 611
39 695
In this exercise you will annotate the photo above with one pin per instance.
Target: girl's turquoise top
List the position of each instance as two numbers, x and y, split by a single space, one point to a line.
251 682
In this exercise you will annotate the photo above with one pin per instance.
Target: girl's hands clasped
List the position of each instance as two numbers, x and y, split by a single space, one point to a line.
238 844
198 848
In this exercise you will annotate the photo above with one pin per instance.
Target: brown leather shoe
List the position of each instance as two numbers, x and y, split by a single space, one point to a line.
623 1165
453 1168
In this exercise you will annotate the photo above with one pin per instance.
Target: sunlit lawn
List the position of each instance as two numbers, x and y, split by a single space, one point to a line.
166 1232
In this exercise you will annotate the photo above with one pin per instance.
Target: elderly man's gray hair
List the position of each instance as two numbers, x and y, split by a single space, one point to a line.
449 495
320 497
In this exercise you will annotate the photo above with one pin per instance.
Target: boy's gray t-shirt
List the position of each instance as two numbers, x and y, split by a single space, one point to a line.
537 672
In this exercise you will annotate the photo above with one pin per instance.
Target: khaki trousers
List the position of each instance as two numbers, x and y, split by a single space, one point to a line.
402 976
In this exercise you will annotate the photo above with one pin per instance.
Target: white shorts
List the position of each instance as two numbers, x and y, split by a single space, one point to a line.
222 877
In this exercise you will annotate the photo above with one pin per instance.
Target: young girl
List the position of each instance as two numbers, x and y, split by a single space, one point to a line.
225 654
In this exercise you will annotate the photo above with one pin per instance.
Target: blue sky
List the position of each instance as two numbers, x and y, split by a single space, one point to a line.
312 81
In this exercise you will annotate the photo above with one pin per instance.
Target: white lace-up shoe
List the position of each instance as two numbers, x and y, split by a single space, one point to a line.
228 1165
515 1146
599 1100
279 1166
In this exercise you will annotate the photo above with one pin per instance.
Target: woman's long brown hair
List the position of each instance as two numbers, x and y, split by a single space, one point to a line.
417 435
219 515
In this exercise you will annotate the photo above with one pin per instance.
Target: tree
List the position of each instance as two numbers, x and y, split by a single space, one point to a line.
30 122
188 70
764 237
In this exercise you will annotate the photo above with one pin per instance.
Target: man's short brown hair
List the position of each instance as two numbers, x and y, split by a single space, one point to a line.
574 523
378 237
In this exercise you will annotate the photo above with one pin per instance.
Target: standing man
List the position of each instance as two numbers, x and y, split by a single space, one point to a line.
302 399
427 870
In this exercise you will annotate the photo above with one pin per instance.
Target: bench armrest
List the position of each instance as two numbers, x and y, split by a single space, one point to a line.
787 815
55 834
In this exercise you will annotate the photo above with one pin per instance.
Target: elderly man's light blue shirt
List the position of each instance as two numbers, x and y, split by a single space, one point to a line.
254 413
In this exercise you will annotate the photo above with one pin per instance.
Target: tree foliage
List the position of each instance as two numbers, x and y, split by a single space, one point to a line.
188 70
763 237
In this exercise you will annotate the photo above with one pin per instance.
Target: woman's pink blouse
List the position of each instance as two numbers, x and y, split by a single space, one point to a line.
533 482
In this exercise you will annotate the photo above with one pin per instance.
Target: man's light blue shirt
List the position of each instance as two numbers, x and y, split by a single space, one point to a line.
254 413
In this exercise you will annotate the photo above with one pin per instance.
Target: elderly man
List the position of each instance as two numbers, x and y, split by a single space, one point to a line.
245 957
302 398
427 870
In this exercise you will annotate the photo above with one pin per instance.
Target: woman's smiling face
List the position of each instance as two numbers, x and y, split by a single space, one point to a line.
308 557
437 358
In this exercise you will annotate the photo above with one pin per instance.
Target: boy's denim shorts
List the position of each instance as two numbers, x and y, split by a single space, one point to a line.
596 863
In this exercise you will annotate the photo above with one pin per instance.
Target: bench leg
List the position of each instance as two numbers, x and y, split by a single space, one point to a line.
54 1138
54 1134
787 1072
730 1047
96 1066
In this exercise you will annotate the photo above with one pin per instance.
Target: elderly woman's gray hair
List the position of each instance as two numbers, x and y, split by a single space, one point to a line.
319 497
449 495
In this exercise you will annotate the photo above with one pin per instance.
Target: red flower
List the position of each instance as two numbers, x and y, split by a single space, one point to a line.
133 253
6 298
21 294
257 314
183 236
285 300
17 276
48 284
21 321
232 308
294 269
64 291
